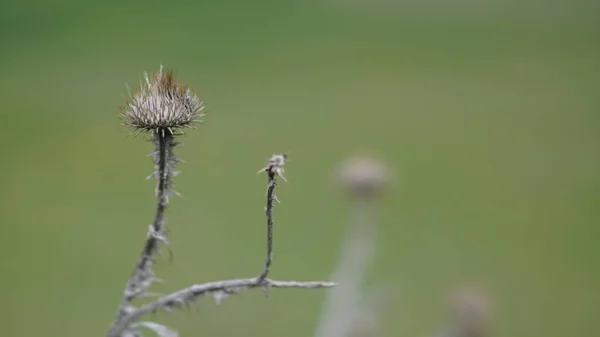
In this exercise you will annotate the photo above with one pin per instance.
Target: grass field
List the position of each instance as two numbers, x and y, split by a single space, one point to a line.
490 120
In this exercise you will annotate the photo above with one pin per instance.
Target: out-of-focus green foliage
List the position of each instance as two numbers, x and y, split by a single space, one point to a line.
488 114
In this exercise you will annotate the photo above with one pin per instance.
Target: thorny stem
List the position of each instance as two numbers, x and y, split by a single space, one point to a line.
269 212
128 314
164 142
187 295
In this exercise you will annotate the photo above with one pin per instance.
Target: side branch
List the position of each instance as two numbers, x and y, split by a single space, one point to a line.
218 289
274 168
143 276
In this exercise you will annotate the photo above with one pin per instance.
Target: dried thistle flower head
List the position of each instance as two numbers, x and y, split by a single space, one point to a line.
364 177
160 104
275 165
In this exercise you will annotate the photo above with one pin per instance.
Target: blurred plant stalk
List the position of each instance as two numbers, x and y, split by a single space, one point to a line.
348 310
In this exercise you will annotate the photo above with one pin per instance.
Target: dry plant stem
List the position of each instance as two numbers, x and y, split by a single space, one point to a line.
165 143
162 108
221 289
187 295
142 276
269 211
342 304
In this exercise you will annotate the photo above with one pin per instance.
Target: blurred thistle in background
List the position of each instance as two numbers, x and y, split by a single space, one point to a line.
471 311
349 309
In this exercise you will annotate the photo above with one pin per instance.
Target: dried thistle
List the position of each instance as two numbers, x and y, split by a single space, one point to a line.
161 104
162 108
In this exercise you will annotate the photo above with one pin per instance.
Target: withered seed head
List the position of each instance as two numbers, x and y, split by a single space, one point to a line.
275 166
160 104
364 176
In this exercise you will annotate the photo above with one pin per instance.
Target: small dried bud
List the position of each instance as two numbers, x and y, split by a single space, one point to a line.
160 104
275 166
364 177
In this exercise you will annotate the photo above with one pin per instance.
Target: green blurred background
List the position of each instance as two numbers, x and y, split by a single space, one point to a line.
488 113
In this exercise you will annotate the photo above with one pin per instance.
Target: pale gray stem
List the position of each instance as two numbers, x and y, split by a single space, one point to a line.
129 314
187 295
342 303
